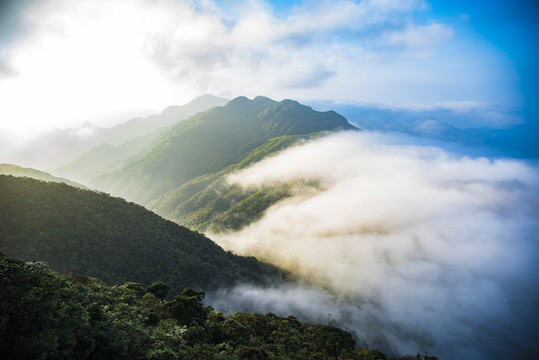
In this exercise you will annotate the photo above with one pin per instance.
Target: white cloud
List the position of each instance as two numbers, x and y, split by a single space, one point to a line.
443 247
419 40
83 59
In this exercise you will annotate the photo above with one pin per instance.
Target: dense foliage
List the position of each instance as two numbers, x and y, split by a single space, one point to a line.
88 233
210 202
174 178
46 316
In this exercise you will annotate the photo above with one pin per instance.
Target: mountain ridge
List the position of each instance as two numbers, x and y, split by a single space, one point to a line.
58 147
19 171
212 140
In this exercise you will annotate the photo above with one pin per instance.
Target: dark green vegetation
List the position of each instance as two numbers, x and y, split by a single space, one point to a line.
87 233
183 177
15 170
46 316
210 202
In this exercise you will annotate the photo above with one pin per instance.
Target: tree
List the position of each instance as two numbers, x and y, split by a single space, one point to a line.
39 314
188 310
334 340
159 289
136 287
250 352
189 292
372 355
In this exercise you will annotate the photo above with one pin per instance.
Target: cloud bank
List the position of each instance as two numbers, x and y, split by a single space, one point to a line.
65 62
420 248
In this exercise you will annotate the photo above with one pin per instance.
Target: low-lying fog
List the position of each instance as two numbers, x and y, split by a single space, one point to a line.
417 249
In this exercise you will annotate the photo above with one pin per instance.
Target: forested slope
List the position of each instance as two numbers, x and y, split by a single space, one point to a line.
46 316
209 202
182 178
88 233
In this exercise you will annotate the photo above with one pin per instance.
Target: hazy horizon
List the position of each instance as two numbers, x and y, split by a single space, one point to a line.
63 63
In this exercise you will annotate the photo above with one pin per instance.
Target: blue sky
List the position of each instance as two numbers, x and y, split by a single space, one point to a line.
65 62
510 26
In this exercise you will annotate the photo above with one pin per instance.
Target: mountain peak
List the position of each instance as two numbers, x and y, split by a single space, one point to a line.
200 103
290 101
238 101
87 129
244 101
264 99
207 99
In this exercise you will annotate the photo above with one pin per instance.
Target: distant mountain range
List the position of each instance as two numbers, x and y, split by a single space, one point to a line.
15 170
453 130
178 177
61 146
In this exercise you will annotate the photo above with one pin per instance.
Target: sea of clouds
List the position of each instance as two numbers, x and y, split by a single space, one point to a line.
413 248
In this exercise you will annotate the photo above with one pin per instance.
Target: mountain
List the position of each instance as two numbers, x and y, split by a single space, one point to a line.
15 170
58 147
209 202
105 158
169 116
50 149
198 151
120 144
88 233
457 130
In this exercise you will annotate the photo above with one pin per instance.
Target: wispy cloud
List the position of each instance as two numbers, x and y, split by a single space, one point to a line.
262 46
419 40
78 60
96 56
438 248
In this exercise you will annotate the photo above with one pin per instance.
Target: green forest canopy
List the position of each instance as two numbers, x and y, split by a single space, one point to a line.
84 232
46 316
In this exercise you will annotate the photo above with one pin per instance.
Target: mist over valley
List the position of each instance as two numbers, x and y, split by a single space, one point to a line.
400 244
